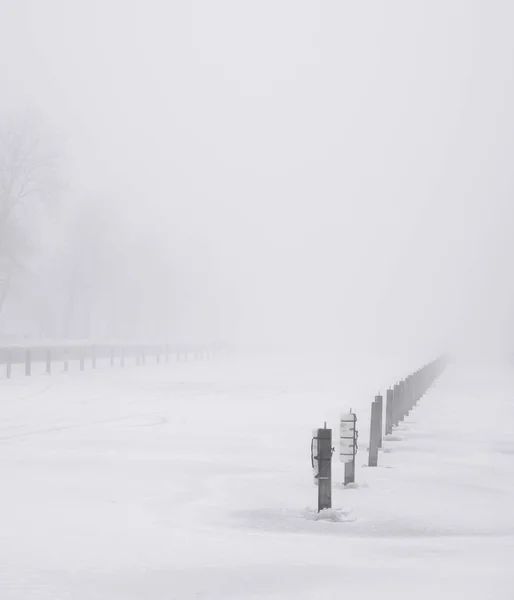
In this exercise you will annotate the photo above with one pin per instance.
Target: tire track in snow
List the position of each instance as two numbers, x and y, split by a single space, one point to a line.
157 420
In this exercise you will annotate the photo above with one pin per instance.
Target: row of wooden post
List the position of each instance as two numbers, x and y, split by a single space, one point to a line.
400 400
140 354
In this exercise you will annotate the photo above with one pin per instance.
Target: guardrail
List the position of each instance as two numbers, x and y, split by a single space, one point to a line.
87 355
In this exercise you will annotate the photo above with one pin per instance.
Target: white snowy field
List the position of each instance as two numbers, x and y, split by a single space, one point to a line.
193 480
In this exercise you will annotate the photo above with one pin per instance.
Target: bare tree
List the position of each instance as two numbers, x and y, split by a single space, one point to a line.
28 188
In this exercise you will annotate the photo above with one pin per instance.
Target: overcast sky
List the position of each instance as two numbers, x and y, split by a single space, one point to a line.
327 168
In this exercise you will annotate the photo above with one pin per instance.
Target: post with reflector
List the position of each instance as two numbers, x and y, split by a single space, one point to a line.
348 445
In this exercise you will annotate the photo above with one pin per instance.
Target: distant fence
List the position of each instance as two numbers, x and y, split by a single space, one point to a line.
87 356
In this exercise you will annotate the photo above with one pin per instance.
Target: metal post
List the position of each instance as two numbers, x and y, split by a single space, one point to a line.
410 394
374 433
396 404
348 445
349 472
389 412
414 390
380 402
324 469
401 402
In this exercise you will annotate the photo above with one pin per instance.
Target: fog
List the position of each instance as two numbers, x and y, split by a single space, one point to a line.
311 173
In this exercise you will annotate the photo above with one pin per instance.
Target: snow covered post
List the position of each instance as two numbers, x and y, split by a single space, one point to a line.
374 431
348 445
389 412
48 361
322 464
28 361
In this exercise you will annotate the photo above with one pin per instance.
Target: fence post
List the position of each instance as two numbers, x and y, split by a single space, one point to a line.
409 395
401 402
414 390
374 432
396 404
348 445
324 468
48 361
28 359
380 401
389 412
349 472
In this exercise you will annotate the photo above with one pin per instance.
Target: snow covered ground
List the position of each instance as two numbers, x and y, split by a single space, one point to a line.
193 480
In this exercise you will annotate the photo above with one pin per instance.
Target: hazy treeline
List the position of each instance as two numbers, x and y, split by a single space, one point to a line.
312 174
71 266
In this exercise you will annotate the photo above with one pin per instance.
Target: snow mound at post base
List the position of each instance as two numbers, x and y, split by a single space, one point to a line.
335 515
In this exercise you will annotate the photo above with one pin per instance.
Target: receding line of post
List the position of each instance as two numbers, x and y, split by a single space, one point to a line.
30 355
400 400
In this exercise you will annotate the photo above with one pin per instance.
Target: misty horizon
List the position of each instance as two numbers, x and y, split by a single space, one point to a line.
334 173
